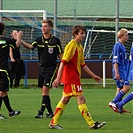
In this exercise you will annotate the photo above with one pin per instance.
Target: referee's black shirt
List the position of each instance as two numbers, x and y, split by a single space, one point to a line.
48 50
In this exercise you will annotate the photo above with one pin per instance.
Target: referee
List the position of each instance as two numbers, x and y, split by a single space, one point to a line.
49 48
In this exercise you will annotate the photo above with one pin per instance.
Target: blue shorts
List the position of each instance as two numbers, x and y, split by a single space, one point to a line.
121 83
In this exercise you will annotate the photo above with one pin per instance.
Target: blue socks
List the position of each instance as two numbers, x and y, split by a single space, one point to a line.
128 98
118 97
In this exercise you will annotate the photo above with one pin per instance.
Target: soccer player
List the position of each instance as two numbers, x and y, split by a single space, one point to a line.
49 48
129 97
119 62
70 70
16 64
5 43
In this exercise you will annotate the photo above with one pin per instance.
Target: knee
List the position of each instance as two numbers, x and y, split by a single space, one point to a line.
3 93
81 100
126 89
65 100
45 91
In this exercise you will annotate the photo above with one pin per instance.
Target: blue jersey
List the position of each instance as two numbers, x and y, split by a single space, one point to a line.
119 57
131 64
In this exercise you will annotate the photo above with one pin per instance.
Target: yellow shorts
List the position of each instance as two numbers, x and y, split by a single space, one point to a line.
72 90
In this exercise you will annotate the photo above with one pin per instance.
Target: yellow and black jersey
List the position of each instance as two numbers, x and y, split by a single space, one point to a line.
5 43
48 50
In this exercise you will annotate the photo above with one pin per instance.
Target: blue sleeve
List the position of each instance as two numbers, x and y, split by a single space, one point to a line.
116 51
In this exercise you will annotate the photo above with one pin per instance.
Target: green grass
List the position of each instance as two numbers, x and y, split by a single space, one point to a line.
28 101
84 81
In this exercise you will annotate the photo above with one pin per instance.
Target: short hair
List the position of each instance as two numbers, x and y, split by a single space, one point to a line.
50 23
77 28
121 32
2 27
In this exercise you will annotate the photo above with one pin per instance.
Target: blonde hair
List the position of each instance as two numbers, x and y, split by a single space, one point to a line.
122 32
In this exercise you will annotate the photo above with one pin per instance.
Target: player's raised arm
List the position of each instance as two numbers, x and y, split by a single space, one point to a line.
18 37
26 45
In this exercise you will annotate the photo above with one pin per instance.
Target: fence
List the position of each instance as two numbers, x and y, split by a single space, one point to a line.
102 64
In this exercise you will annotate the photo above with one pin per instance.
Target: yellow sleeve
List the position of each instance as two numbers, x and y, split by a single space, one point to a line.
69 51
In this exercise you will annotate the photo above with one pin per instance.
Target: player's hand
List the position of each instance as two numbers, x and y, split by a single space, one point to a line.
117 76
20 33
12 60
97 78
56 83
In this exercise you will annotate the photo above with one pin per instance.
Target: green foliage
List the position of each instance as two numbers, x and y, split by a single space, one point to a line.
97 98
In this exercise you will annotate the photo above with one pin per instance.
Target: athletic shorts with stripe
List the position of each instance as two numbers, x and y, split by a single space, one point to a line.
4 80
46 76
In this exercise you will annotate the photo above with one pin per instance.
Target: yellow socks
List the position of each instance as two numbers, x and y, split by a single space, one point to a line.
83 109
58 112
85 113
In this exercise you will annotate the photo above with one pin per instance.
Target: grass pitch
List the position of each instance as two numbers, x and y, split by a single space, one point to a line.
97 98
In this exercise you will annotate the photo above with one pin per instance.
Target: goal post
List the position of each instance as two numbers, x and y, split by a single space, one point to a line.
29 21
44 12
23 17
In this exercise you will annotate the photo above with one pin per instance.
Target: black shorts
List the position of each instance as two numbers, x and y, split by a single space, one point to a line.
46 76
4 80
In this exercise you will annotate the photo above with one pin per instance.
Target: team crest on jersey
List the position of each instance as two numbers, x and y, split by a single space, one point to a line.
50 50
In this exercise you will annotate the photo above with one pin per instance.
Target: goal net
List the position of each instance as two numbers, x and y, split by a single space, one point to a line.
99 43
29 21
